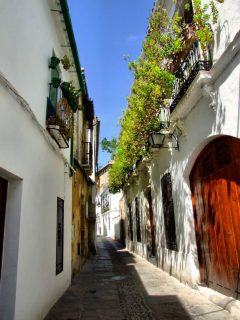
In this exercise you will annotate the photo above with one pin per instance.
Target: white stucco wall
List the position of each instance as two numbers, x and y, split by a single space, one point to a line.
108 223
114 214
26 154
200 124
29 33
227 27
37 174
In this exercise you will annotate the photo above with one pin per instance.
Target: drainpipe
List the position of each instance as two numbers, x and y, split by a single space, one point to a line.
71 146
78 134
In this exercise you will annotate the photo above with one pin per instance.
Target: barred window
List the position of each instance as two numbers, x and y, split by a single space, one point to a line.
130 225
168 212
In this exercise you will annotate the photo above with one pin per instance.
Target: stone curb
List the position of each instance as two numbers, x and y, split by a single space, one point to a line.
227 303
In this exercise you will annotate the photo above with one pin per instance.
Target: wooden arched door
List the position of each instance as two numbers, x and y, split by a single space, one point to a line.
215 184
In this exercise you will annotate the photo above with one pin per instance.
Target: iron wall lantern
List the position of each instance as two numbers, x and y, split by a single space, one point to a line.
162 139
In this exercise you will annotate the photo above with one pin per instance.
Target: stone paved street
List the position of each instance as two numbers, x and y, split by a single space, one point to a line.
118 285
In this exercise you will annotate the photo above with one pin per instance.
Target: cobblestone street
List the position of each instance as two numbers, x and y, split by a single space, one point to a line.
116 284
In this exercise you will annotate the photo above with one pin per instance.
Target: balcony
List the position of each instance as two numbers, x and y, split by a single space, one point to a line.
196 60
87 154
58 122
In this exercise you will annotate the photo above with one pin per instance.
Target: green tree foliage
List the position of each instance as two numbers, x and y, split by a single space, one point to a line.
109 146
151 89
204 15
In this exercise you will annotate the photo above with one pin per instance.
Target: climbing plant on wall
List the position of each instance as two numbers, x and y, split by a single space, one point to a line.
153 83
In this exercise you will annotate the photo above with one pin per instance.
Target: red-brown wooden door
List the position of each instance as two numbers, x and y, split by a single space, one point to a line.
3 199
215 184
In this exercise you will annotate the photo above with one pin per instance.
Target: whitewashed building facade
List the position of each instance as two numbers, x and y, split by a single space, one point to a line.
35 170
183 206
108 216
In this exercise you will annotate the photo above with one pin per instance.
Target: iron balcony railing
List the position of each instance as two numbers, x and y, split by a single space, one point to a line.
58 121
87 154
195 61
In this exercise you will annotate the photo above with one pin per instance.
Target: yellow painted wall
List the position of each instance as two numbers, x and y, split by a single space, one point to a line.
79 221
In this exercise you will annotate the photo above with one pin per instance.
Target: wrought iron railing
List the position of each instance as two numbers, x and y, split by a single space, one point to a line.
58 120
87 154
195 61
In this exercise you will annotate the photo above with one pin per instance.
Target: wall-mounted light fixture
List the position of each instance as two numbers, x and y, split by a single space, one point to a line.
162 139
167 135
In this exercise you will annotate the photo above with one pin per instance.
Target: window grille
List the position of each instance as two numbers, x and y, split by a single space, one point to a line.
130 226
168 212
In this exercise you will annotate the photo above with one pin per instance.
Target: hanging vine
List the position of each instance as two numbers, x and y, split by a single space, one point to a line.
153 82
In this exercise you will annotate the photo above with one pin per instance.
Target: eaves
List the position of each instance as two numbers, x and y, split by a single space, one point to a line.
69 29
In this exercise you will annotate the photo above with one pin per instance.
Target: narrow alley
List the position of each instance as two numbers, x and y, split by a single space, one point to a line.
115 284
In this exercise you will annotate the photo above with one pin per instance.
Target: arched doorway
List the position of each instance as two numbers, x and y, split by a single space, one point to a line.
215 185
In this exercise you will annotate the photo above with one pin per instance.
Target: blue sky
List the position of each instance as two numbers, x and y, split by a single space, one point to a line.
105 32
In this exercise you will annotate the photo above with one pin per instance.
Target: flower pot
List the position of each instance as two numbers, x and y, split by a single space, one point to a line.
65 86
66 62
73 104
56 82
53 62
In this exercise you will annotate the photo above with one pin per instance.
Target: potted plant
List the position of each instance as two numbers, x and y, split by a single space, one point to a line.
71 94
66 62
65 86
73 103
53 62
56 81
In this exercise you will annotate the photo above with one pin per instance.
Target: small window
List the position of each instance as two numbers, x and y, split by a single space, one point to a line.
168 212
60 238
